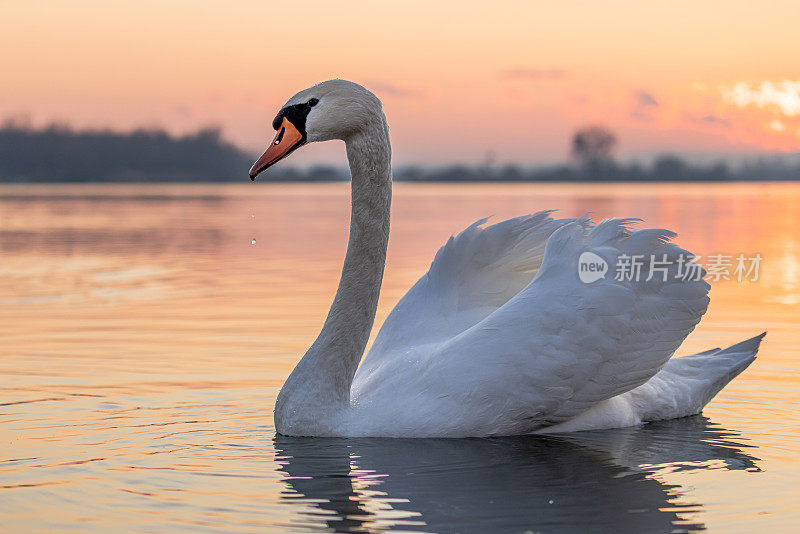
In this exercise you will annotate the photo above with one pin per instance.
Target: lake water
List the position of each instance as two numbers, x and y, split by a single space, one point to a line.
144 339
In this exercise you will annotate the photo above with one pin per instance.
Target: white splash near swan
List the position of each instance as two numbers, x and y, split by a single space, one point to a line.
502 336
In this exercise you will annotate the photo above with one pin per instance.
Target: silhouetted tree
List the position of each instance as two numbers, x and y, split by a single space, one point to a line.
592 147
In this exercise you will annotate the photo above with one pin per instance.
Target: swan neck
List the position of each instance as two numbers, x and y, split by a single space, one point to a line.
324 375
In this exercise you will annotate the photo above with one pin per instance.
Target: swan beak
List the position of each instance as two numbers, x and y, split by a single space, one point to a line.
287 139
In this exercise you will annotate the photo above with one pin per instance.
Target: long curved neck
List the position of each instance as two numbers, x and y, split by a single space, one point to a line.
324 375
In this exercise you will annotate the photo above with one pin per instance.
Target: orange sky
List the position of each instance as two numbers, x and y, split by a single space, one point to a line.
459 80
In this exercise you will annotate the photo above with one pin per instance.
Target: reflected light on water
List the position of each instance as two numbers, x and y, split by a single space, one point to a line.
147 329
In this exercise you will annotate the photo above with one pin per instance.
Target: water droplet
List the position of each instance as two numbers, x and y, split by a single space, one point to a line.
253 241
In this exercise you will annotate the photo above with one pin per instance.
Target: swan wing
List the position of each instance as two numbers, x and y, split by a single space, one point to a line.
559 346
472 275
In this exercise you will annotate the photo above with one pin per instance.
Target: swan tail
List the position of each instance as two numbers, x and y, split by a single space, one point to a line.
681 388
685 385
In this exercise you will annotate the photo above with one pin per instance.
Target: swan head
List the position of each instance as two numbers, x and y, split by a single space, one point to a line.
336 109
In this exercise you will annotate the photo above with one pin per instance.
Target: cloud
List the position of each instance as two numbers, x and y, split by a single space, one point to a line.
777 126
712 120
390 90
534 74
641 115
643 106
780 97
182 111
646 100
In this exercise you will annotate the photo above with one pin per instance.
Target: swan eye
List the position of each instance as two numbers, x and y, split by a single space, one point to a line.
279 137
313 102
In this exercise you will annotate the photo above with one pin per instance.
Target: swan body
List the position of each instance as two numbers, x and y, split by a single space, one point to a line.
501 336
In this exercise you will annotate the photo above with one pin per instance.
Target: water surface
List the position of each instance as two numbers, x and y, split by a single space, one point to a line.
144 338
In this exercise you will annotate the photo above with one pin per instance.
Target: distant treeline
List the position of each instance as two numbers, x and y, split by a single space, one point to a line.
666 168
62 154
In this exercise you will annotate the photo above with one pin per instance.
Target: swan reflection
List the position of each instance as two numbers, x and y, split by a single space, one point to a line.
591 481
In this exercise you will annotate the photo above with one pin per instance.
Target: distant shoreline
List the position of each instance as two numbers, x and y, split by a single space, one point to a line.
59 154
246 183
245 180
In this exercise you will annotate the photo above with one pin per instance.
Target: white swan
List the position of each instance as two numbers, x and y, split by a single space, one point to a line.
500 337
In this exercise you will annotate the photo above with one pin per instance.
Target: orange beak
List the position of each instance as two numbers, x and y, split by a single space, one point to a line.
287 139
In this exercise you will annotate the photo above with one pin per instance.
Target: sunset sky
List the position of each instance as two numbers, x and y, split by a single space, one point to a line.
459 80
